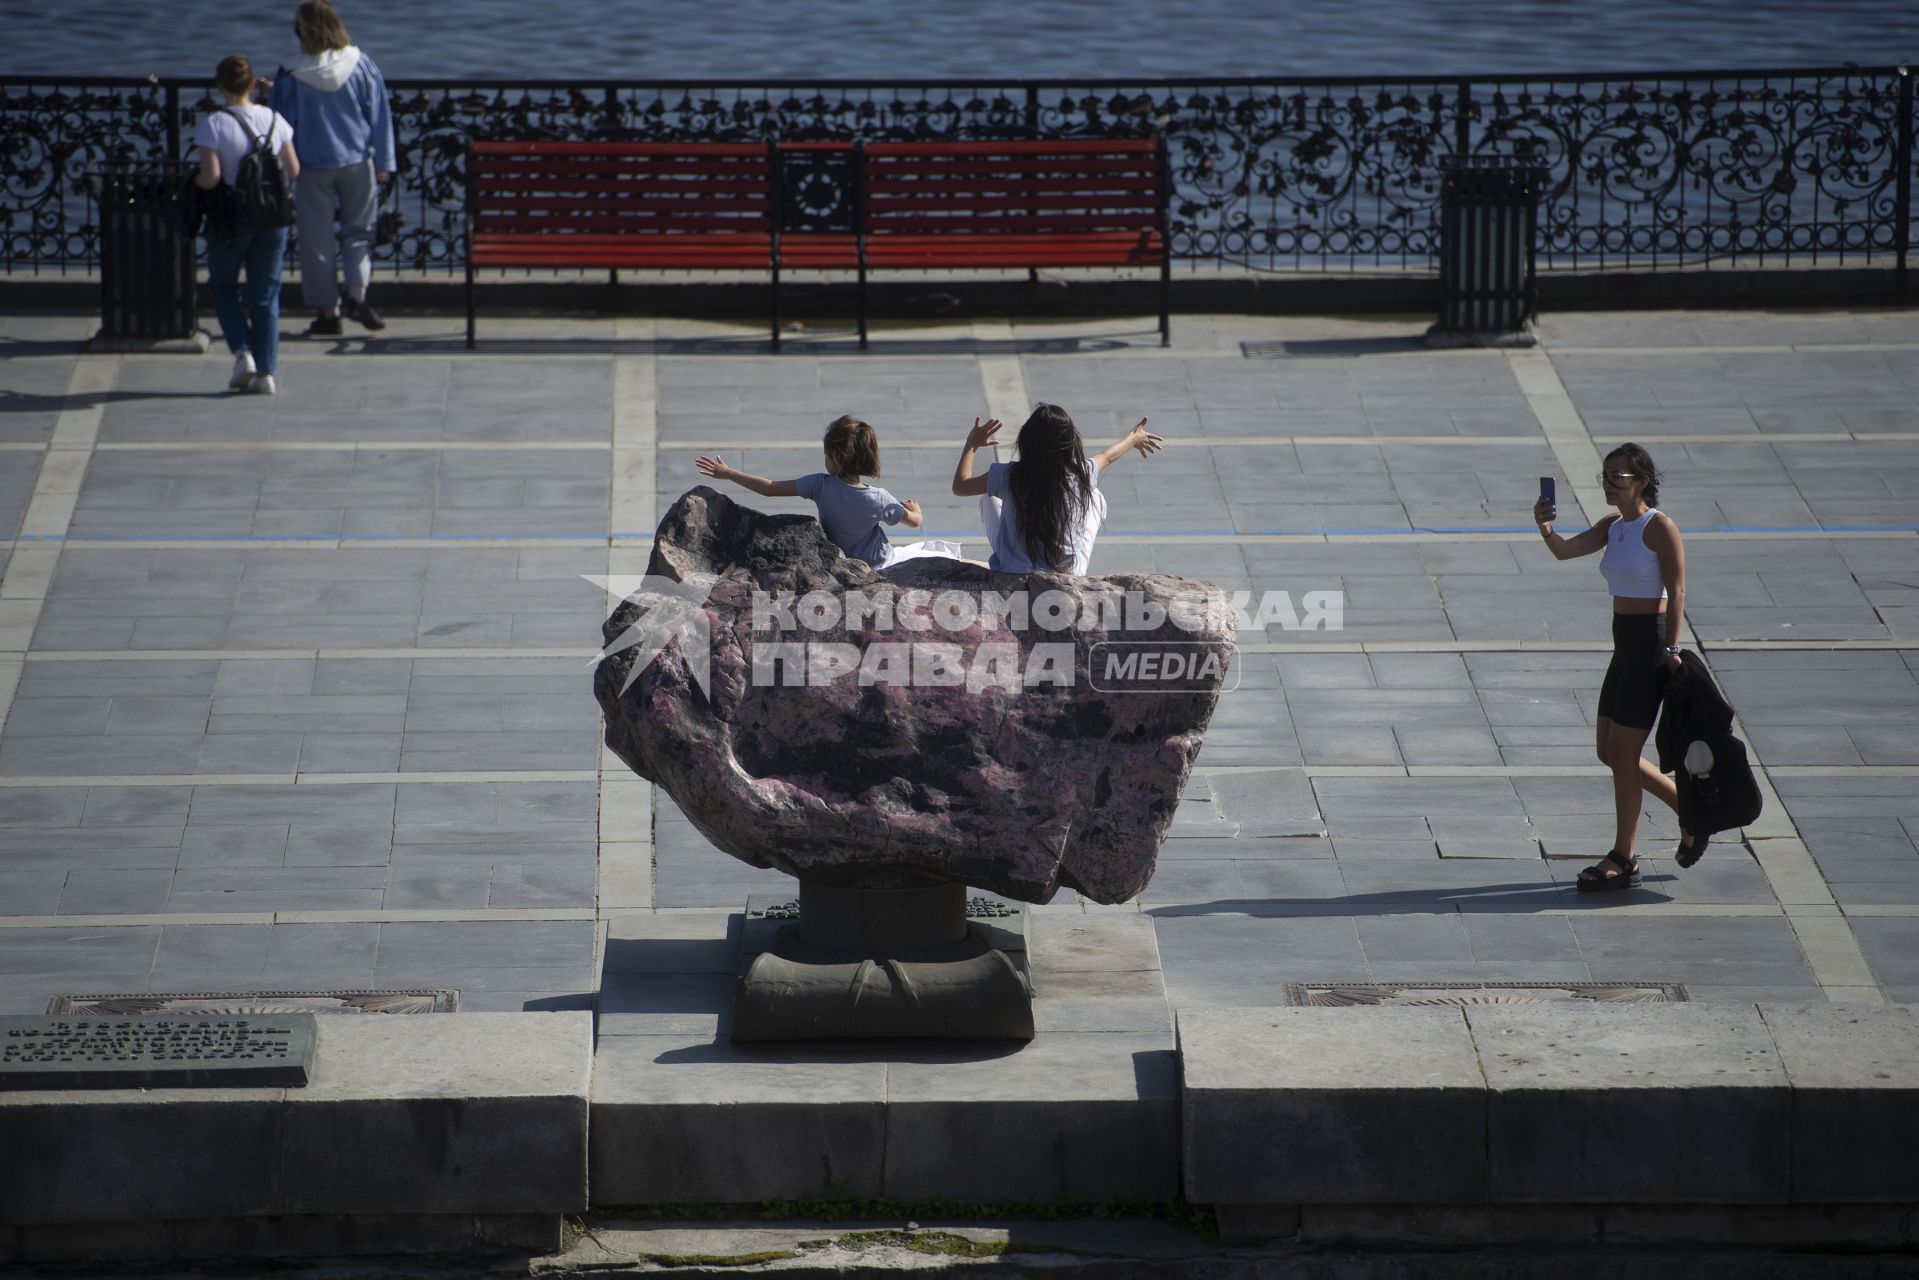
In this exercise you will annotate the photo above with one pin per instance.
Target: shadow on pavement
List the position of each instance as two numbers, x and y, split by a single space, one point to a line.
793 346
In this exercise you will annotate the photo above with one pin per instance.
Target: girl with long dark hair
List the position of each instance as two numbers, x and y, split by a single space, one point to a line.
1043 511
1645 571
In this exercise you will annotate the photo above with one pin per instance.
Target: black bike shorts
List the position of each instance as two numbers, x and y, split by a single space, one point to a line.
1636 681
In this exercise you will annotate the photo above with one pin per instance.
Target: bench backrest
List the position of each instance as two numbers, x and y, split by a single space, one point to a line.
620 188
1021 188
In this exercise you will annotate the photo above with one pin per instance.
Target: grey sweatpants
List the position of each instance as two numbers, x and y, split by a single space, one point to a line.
320 192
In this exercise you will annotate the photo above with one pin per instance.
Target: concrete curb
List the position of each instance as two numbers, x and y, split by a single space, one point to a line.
1000 294
1720 1123
428 1132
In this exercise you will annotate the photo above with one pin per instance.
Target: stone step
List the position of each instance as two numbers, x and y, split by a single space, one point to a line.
1565 1104
427 1132
1085 1112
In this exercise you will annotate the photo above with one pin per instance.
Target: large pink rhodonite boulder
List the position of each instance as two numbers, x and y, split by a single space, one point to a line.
1014 732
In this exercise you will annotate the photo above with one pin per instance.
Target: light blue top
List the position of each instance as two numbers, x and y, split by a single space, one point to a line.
1009 544
339 126
852 515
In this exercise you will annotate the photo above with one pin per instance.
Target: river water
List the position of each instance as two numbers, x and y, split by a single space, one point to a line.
997 39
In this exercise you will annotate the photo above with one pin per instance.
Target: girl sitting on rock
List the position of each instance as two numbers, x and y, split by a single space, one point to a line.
853 513
1043 511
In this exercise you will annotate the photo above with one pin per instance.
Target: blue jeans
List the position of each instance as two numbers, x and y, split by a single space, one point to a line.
253 324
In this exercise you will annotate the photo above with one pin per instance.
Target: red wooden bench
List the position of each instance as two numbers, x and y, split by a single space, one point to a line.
668 206
1067 203
919 206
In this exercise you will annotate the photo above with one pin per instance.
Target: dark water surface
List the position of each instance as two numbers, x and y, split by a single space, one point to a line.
1028 39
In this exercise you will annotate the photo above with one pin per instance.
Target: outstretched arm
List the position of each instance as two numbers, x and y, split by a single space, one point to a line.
718 470
1138 438
965 483
1581 544
912 519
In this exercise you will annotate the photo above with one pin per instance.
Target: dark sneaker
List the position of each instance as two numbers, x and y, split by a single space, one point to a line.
325 327
361 312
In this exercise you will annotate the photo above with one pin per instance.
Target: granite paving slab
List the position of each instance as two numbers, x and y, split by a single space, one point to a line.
1891 947
330 493
34 394
357 597
310 846
313 716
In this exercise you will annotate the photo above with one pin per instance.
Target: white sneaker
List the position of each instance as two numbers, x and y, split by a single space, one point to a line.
242 372
263 385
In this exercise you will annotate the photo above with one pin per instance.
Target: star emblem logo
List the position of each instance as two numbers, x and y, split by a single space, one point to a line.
670 614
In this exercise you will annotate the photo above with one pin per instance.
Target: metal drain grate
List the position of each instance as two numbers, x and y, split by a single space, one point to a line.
1354 994
977 908
1332 348
214 1003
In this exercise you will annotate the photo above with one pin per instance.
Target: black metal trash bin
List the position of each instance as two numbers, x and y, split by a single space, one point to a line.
1488 214
149 211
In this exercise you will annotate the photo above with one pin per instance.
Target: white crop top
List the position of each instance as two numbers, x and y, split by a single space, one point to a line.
1630 567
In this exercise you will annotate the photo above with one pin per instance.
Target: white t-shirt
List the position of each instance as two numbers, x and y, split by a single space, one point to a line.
221 134
1009 546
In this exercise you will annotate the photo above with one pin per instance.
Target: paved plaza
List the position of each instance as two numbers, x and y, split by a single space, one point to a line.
297 690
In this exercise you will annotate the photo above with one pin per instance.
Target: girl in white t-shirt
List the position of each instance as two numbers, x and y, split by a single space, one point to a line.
251 325
1043 511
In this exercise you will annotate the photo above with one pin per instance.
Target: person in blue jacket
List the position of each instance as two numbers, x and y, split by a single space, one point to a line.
335 97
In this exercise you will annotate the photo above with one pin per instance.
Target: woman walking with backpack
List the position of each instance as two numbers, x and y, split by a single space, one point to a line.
336 97
246 154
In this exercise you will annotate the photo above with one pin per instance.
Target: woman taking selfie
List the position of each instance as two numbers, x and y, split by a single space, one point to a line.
1645 570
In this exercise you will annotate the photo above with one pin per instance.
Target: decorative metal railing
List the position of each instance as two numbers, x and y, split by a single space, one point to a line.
1648 170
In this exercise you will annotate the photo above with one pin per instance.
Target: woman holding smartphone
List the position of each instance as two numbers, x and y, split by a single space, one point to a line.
1645 570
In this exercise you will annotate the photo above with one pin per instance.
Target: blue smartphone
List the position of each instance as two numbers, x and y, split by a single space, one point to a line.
1546 491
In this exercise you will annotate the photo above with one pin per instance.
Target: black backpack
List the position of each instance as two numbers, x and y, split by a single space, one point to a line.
262 196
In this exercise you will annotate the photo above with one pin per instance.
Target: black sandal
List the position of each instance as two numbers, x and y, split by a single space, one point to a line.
1598 879
1688 854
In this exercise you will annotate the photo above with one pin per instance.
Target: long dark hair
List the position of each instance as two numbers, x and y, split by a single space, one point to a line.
1050 488
1639 462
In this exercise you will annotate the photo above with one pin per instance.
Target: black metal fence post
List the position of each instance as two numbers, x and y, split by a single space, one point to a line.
171 105
1902 199
1463 119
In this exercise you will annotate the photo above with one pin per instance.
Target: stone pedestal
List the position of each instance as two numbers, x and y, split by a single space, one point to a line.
877 963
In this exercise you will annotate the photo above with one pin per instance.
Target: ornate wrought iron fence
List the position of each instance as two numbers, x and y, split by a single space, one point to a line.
1647 170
